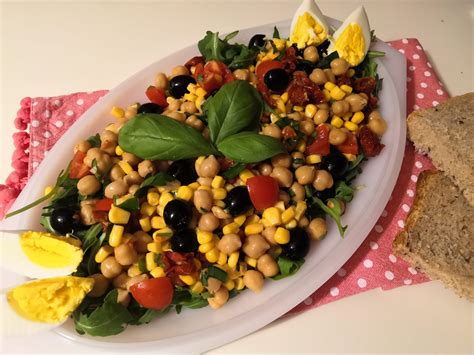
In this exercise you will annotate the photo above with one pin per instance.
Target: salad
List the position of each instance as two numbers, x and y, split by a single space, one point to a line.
223 181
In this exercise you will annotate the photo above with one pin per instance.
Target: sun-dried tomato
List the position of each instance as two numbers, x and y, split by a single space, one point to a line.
365 85
369 142
343 80
302 90
225 163
289 60
176 264
194 61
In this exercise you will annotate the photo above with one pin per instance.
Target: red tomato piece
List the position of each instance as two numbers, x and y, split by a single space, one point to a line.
263 191
104 204
212 75
265 66
350 146
321 142
157 96
369 142
288 132
78 168
153 293
194 61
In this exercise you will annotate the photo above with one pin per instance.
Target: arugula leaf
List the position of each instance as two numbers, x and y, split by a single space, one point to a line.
131 204
287 267
143 315
250 147
184 298
276 33
233 108
109 318
160 179
157 137
91 263
354 168
95 141
90 238
344 192
233 171
217 273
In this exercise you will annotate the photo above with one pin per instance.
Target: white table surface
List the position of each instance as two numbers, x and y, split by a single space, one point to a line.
54 48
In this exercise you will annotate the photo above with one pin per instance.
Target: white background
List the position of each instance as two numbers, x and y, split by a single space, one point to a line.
53 48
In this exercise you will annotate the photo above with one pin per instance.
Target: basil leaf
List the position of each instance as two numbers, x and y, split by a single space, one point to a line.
94 141
233 171
234 107
217 273
160 179
157 137
287 267
250 147
130 204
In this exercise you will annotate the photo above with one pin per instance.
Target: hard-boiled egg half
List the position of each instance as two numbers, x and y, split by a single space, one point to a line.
308 26
352 39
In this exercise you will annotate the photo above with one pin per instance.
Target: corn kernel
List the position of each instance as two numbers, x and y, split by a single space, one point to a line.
163 233
197 288
218 182
245 174
117 112
153 198
252 219
204 248
199 101
160 209
204 237
126 167
251 68
200 92
280 205
301 147
145 224
298 108
122 199
116 234
272 215
229 285
288 215
118 215
165 198
222 259
219 193
158 272
350 73
358 117
346 88
274 118
154 247
150 261
255 228
188 279
240 220
337 121
313 159
239 284
212 255
199 161
231 228
147 210
251 261
280 44
300 209
158 222
351 126
337 93
329 86
233 259
350 157
191 88
118 151
310 110
134 270
219 203
327 95
185 193
281 106
284 97
228 187
47 190
166 246
103 253
282 236
292 224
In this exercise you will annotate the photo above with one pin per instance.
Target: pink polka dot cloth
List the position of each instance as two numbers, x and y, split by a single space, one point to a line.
41 122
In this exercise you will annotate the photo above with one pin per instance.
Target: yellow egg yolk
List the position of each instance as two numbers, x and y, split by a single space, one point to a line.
307 31
350 44
48 250
49 300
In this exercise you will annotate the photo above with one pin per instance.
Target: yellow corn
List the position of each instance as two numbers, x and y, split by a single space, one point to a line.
158 272
199 101
191 88
212 255
157 222
194 185
118 215
310 110
204 237
252 219
160 209
346 88
134 270
245 174
282 236
150 261
145 224
301 146
240 220
298 108
251 68
219 193
281 106
47 190
147 210
300 209
272 215
228 187
288 215
313 159
204 248
327 94
229 284
188 279
251 261
123 199
222 259
219 203
166 246
337 121
165 198
351 126
153 198
154 247
284 97
255 228
103 253
350 157
126 167
115 238
274 118
329 86
200 92
190 97
118 151
292 224
280 44
218 182
350 73
233 259
239 284
358 117
197 288
280 205
117 112
185 193
337 93
162 233
231 228
242 267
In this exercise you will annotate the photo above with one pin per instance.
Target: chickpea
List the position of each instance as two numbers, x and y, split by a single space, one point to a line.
115 127
339 66
321 116
116 188
337 136
283 176
267 266
318 76
295 116
305 174
255 246
269 233
374 115
133 178
82 146
323 106
330 75
219 212
283 160
87 214
178 116
298 192
174 105
123 297
131 111
110 268
135 279
317 229
142 239
179 70
301 158
229 243
204 181
323 180
303 222
125 254
378 126
341 108
88 185
203 201
132 189
219 299
213 285
253 280
101 285
195 122
209 167
130 158
242 74
272 130
284 196
311 53
161 81
146 168
356 102
189 107
108 141
265 169
121 280
104 163
208 222
307 127
364 96
116 173
93 153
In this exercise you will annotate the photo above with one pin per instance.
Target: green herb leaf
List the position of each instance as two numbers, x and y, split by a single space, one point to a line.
217 273
344 192
160 179
142 264
95 141
184 298
324 63
130 204
287 267
109 318
143 315
90 238
158 137
233 171
233 108
276 33
250 147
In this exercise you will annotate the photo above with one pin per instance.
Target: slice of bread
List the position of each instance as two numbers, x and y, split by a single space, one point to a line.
445 133
439 233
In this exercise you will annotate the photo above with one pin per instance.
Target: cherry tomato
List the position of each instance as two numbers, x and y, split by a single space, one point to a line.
321 142
265 66
104 204
157 96
153 293
212 75
78 168
263 191
350 145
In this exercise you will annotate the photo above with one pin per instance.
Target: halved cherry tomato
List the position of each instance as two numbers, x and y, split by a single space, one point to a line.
288 132
212 75
350 145
321 142
153 293
157 96
265 66
78 168
263 191
104 204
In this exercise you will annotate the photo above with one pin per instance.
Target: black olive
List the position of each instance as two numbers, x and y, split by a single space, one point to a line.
299 52
305 65
150 107
323 48
298 246
177 214
335 163
238 201
185 241
183 170
179 85
62 220
276 79
257 41
326 194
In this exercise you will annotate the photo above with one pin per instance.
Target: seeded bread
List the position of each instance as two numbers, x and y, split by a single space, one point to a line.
439 234
446 134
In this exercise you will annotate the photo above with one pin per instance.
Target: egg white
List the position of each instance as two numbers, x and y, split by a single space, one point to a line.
310 7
